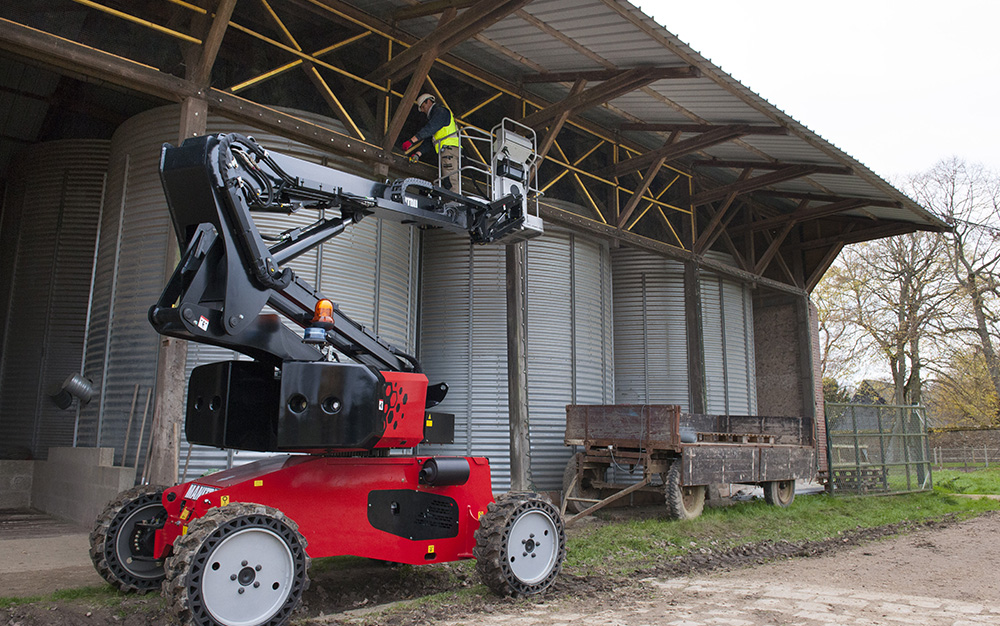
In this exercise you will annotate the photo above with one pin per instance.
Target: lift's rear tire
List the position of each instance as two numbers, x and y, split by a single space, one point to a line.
779 492
121 544
683 502
582 488
520 545
241 564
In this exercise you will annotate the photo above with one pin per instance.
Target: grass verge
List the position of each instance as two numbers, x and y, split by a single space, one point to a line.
626 546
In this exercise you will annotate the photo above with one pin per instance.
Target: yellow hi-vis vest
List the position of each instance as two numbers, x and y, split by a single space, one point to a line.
447 136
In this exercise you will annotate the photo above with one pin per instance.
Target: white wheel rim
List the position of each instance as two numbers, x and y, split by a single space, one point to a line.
532 547
248 577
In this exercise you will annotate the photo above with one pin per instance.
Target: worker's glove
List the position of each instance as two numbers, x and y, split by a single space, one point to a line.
414 157
406 145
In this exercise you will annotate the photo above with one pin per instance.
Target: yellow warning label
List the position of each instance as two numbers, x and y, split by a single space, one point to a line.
184 530
480 516
224 501
430 549
258 483
184 514
430 423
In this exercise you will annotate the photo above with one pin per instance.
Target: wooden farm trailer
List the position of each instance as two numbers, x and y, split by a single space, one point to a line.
680 454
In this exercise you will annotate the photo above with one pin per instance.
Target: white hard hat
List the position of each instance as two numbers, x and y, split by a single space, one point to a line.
424 98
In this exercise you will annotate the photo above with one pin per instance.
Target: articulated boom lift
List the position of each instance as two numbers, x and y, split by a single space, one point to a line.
234 547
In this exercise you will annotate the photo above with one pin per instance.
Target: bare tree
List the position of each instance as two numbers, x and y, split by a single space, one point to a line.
895 290
968 197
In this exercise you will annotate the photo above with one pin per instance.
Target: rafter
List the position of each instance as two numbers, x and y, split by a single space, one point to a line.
473 20
713 228
647 180
773 165
601 75
623 83
698 128
802 215
210 49
772 249
550 135
757 182
429 8
670 151
818 197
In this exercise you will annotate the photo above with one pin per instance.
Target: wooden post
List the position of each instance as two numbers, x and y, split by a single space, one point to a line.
168 407
697 390
517 365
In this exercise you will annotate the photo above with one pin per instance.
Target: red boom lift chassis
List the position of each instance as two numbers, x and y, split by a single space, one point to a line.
234 547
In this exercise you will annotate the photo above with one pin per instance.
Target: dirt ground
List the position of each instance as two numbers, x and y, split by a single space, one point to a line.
936 573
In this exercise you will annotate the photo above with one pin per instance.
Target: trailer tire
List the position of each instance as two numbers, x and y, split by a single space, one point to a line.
683 502
124 530
520 544
579 490
779 492
212 577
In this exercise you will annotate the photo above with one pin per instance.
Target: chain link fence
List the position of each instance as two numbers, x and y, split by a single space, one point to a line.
878 448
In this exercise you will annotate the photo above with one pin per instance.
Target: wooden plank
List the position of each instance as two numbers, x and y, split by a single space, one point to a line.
632 426
705 464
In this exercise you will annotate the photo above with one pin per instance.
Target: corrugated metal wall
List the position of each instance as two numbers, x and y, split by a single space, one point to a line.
51 212
650 337
463 342
651 342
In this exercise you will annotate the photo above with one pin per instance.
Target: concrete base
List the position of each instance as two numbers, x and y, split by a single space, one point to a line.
77 483
15 484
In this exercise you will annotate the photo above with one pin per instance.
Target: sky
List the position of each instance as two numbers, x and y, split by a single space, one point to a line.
898 85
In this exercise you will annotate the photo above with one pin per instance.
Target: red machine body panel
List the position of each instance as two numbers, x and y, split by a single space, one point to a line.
367 507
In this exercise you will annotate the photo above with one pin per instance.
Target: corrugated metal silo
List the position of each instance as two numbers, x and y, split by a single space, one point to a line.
463 342
52 208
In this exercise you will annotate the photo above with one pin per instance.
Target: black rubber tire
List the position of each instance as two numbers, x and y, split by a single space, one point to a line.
188 569
683 502
115 540
583 490
779 492
512 515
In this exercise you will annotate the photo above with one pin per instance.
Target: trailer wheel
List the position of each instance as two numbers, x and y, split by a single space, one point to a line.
779 492
683 501
582 488
121 544
520 545
240 564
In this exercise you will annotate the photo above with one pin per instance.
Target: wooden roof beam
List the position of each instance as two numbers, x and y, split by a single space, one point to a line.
838 170
757 182
601 75
429 8
818 197
623 83
471 22
670 151
210 49
698 128
802 215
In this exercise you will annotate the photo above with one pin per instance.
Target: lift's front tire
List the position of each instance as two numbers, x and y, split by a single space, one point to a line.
241 564
520 545
121 544
779 492
683 501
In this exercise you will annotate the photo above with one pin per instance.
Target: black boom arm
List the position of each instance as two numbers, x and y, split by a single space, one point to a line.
228 274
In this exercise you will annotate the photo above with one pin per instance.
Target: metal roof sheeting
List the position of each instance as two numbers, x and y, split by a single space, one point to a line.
572 35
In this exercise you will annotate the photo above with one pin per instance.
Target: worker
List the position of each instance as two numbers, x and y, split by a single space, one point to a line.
443 131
